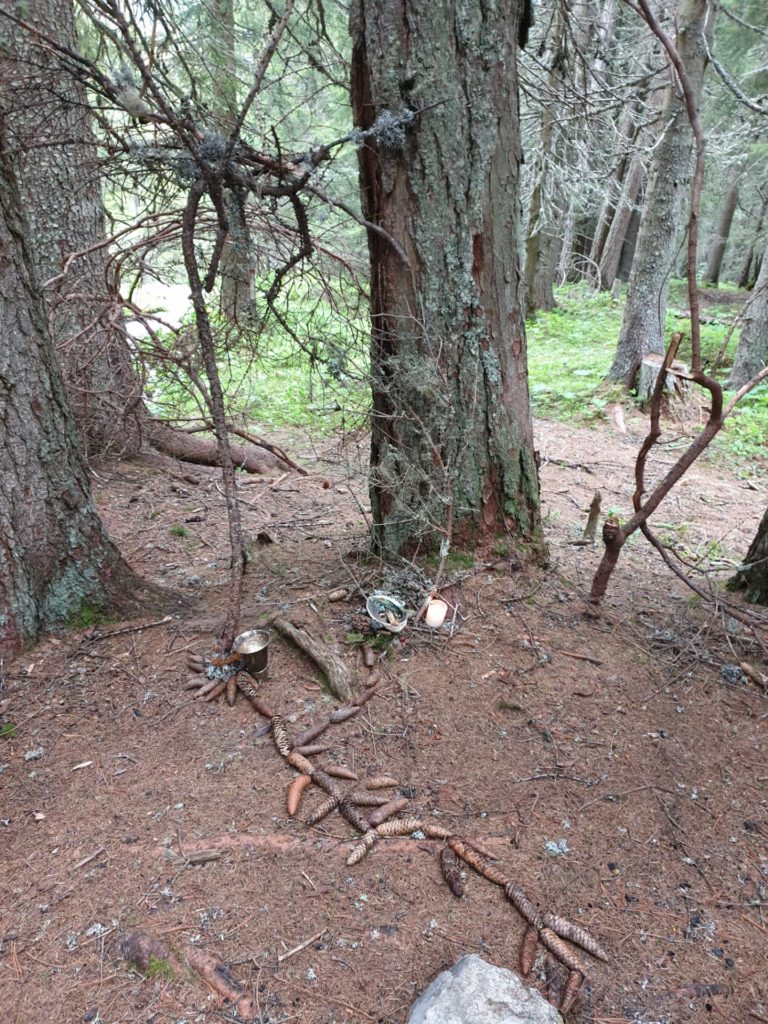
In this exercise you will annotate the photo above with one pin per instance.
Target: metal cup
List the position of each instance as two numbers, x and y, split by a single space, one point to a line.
253 647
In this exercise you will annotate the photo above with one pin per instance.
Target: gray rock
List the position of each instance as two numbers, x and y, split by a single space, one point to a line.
475 992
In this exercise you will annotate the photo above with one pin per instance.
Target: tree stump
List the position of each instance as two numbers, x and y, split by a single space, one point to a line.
676 384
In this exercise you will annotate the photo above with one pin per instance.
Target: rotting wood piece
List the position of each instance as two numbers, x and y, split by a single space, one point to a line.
340 679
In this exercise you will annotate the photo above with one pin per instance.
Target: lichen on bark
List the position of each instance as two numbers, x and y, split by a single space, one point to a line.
452 444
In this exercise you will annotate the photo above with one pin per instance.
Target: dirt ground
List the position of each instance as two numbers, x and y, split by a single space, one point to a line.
617 767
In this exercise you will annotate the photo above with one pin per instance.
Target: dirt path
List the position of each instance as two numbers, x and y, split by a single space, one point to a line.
618 768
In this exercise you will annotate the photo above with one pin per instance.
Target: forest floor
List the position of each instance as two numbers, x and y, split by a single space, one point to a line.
618 767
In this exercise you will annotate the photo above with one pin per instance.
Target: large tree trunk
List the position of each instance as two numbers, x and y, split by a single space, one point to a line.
55 557
753 579
54 151
451 452
642 330
752 351
720 239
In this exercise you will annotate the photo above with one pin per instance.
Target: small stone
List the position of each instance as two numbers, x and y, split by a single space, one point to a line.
34 755
476 992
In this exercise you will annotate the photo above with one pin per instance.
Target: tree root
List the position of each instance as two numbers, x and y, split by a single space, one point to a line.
153 958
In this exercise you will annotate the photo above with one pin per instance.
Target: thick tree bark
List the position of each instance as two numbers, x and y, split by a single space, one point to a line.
753 579
55 155
720 239
752 350
451 453
642 331
55 556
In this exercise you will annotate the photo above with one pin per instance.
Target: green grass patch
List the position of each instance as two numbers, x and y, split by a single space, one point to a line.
570 350
178 531
7 731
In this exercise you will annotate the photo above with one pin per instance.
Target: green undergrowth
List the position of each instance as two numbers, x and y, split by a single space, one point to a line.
316 378
570 350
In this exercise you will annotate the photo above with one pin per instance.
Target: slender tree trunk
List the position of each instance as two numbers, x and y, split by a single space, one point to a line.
55 556
642 331
614 243
752 350
541 247
627 257
452 458
720 239
753 579
237 265
744 277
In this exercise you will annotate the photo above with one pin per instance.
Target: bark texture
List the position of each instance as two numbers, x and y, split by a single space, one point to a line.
642 330
752 351
55 555
451 452
49 134
753 580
